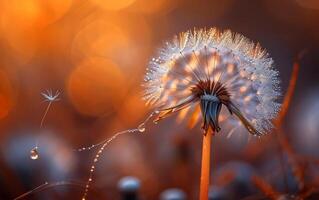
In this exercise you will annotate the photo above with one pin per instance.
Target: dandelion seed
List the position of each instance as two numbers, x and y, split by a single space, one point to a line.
48 97
222 72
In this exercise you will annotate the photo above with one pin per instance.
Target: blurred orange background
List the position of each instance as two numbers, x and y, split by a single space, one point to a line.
96 52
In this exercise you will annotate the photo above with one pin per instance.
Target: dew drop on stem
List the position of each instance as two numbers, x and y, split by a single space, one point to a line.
141 128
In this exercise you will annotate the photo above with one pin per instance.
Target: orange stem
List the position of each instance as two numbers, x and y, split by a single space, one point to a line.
205 171
289 94
265 187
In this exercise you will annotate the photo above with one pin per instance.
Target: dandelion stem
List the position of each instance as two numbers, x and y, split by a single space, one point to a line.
42 120
31 191
45 113
205 171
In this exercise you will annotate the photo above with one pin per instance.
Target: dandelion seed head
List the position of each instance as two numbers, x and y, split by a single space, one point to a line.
50 97
227 76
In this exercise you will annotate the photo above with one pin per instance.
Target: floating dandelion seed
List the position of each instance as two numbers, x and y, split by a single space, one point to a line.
220 74
48 97
223 73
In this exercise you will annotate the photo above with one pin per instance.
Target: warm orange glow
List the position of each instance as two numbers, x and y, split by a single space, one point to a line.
6 95
230 68
133 109
113 4
4 106
247 99
213 62
96 86
96 53
195 117
243 89
21 22
114 39
161 7
182 114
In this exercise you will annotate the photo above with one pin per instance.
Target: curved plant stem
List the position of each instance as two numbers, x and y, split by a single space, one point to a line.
47 185
289 94
205 170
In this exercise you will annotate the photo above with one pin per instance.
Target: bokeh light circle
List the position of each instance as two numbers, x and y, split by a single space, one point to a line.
113 5
96 87
125 42
21 23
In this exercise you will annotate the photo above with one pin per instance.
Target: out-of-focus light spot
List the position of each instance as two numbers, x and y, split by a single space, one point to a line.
173 194
129 184
113 4
33 13
21 22
306 123
96 87
230 68
56 159
310 4
132 109
243 89
6 95
160 7
182 114
125 42
195 117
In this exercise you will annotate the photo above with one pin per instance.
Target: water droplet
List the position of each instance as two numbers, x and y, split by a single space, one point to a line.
34 153
156 111
141 128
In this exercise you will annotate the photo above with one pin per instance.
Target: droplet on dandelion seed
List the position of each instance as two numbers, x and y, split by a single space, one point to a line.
141 128
34 154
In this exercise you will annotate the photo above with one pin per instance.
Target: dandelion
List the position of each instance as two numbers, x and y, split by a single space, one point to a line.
221 76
